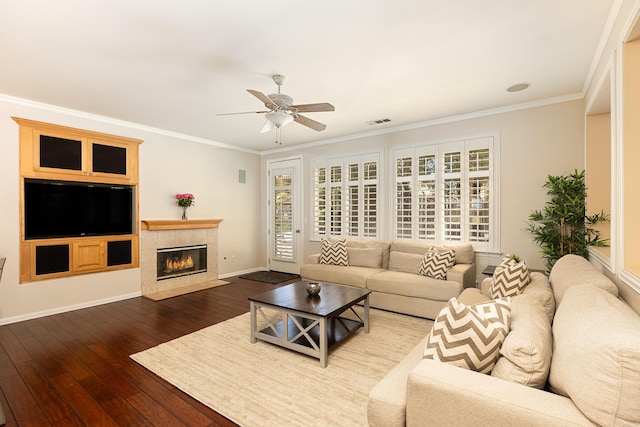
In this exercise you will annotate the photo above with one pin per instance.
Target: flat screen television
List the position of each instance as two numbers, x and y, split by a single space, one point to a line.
72 209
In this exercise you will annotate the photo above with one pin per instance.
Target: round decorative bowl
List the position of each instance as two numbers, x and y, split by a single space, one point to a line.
313 288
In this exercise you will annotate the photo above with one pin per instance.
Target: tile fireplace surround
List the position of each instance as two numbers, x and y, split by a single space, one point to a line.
159 234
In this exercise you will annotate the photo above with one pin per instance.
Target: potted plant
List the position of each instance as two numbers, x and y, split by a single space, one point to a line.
563 227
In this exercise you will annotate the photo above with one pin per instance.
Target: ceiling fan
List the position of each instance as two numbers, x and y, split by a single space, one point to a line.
281 110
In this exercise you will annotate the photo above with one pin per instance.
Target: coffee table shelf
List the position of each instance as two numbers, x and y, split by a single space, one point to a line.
338 328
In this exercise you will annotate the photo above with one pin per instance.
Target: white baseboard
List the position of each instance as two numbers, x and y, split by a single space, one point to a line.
67 308
58 310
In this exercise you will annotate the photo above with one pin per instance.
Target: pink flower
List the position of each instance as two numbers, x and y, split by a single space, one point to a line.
185 199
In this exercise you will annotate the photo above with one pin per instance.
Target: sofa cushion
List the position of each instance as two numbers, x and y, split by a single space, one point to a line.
469 336
465 253
413 285
526 351
596 355
472 296
571 270
342 275
406 262
410 247
382 244
509 278
436 263
365 257
334 252
540 290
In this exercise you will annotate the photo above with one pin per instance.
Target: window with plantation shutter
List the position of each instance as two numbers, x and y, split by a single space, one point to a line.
445 193
404 197
370 199
346 199
479 178
426 196
451 197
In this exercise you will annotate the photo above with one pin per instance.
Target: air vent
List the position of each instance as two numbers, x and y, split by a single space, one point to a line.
377 122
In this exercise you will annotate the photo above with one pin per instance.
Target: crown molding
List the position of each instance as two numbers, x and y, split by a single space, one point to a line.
434 122
116 122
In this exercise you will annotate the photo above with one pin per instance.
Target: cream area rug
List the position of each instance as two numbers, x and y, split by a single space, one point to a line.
265 385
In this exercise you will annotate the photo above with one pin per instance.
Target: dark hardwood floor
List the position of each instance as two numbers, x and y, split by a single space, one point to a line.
73 369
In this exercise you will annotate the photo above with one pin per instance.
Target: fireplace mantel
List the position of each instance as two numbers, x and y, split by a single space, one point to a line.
169 224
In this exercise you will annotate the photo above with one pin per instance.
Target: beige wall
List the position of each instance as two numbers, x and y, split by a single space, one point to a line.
631 155
624 254
168 165
598 178
534 143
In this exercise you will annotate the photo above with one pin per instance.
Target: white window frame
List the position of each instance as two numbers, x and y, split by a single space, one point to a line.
344 211
412 227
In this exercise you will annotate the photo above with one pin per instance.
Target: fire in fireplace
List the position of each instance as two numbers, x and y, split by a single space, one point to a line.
180 261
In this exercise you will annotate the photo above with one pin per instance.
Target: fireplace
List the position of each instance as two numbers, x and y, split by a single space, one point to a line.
181 261
163 235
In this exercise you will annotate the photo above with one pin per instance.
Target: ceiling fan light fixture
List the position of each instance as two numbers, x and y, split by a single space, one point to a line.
279 118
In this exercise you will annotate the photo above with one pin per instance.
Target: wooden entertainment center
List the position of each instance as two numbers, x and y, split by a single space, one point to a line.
51 154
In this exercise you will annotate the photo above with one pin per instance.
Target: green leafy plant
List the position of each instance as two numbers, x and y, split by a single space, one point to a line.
563 227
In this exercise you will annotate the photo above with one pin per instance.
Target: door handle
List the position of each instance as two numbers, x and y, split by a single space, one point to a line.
298 231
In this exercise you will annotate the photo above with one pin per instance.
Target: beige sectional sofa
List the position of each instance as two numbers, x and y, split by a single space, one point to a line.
390 271
572 357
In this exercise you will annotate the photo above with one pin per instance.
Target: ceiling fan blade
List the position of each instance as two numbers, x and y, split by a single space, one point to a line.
307 108
262 97
306 121
267 127
246 112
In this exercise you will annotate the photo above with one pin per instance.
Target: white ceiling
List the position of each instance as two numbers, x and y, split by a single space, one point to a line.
174 65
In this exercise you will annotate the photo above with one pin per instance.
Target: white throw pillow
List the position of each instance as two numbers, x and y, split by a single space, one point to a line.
334 253
469 337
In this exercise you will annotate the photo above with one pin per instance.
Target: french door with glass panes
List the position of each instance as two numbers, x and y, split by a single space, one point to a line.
284 212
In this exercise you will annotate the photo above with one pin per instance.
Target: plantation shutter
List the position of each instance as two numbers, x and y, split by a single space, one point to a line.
451 196
370 196
480 194
404 160
446 193
346 201
427 193
283 217
319 199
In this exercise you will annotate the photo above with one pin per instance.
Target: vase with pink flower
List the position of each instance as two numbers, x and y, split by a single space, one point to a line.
185 200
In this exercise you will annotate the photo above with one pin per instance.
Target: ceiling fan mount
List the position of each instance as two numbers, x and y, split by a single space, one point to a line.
282 111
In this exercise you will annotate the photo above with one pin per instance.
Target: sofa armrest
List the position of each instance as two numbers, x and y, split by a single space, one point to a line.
314 258
485 286
442 394
463 273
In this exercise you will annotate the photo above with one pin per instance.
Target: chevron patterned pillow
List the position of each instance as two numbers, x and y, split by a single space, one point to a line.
469 337
334 252
436 263
509 279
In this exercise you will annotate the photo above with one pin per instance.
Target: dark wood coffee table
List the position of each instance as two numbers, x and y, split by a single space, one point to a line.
308 324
